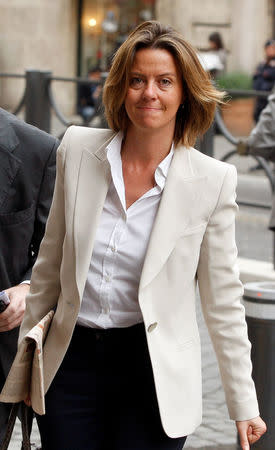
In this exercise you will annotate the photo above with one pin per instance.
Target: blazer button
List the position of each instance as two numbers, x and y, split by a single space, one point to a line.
152 327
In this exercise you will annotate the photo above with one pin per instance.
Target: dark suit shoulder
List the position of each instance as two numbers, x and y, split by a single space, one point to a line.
26 136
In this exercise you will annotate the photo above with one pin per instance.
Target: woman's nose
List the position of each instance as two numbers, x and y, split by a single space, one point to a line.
149 90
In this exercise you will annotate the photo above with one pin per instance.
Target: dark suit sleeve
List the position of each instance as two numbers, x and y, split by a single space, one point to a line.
42 207
269 73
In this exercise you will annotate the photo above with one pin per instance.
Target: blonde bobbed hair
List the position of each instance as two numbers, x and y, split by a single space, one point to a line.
200 96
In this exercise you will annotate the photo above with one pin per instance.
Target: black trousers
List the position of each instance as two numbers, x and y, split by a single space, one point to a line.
103 396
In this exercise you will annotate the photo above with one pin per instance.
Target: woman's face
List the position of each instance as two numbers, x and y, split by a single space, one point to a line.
213 45
155 91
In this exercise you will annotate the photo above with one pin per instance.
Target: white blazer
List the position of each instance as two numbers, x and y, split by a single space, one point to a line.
192 240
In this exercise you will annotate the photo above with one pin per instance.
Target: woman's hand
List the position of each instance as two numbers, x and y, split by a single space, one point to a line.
250 431
13 314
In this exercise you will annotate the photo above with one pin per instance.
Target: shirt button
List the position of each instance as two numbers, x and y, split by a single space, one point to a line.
152 327
108 278
113 249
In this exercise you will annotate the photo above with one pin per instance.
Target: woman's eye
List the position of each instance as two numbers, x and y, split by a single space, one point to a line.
135 81
165 82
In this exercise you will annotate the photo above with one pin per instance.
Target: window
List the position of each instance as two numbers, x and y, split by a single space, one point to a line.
105 25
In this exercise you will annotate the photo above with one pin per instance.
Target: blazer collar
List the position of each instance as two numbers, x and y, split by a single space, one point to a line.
93 182
101 152
8 139
177 211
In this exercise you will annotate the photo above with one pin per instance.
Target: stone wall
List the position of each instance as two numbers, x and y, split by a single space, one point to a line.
244 25
251 27
41 35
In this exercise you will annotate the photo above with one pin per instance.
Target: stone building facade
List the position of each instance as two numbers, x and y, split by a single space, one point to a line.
244 25
37 34
54 34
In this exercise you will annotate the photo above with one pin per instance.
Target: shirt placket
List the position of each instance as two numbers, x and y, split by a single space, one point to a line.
108 267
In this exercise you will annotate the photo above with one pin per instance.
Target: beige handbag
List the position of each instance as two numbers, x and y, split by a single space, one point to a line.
25 378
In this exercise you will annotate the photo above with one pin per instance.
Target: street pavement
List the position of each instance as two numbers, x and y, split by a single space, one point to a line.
217 431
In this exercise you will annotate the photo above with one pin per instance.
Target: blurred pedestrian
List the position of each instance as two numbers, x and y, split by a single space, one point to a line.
264 77
138 217
27 173
213 58
89 94
216 47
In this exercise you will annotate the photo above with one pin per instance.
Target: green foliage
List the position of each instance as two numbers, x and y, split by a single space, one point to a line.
235 80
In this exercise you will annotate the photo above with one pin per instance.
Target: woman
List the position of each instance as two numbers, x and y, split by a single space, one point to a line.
138 216
216 46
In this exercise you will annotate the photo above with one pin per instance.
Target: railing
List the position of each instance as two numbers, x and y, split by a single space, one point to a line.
207 146
236 142
38 100
207 143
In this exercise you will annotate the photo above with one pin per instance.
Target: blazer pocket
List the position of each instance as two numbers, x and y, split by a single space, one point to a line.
17 217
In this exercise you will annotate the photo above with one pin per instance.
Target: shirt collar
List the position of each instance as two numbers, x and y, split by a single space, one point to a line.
113 150
161 171
113 155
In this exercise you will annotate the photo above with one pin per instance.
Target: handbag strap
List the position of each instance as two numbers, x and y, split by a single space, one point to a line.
26 426
10 426
26 422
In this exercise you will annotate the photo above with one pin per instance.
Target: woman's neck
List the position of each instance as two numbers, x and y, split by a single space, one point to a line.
147 148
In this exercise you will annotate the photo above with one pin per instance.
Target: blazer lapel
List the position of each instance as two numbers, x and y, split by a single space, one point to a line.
179 199
9 163
8 138
93 183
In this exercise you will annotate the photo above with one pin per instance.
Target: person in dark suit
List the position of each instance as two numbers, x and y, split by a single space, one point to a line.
27 174
264 77
89 95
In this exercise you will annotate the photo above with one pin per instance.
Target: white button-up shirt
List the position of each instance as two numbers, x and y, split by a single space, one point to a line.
110 298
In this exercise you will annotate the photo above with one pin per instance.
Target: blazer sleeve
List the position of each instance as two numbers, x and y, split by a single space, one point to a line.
261 142
42 207
221 292
45 281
